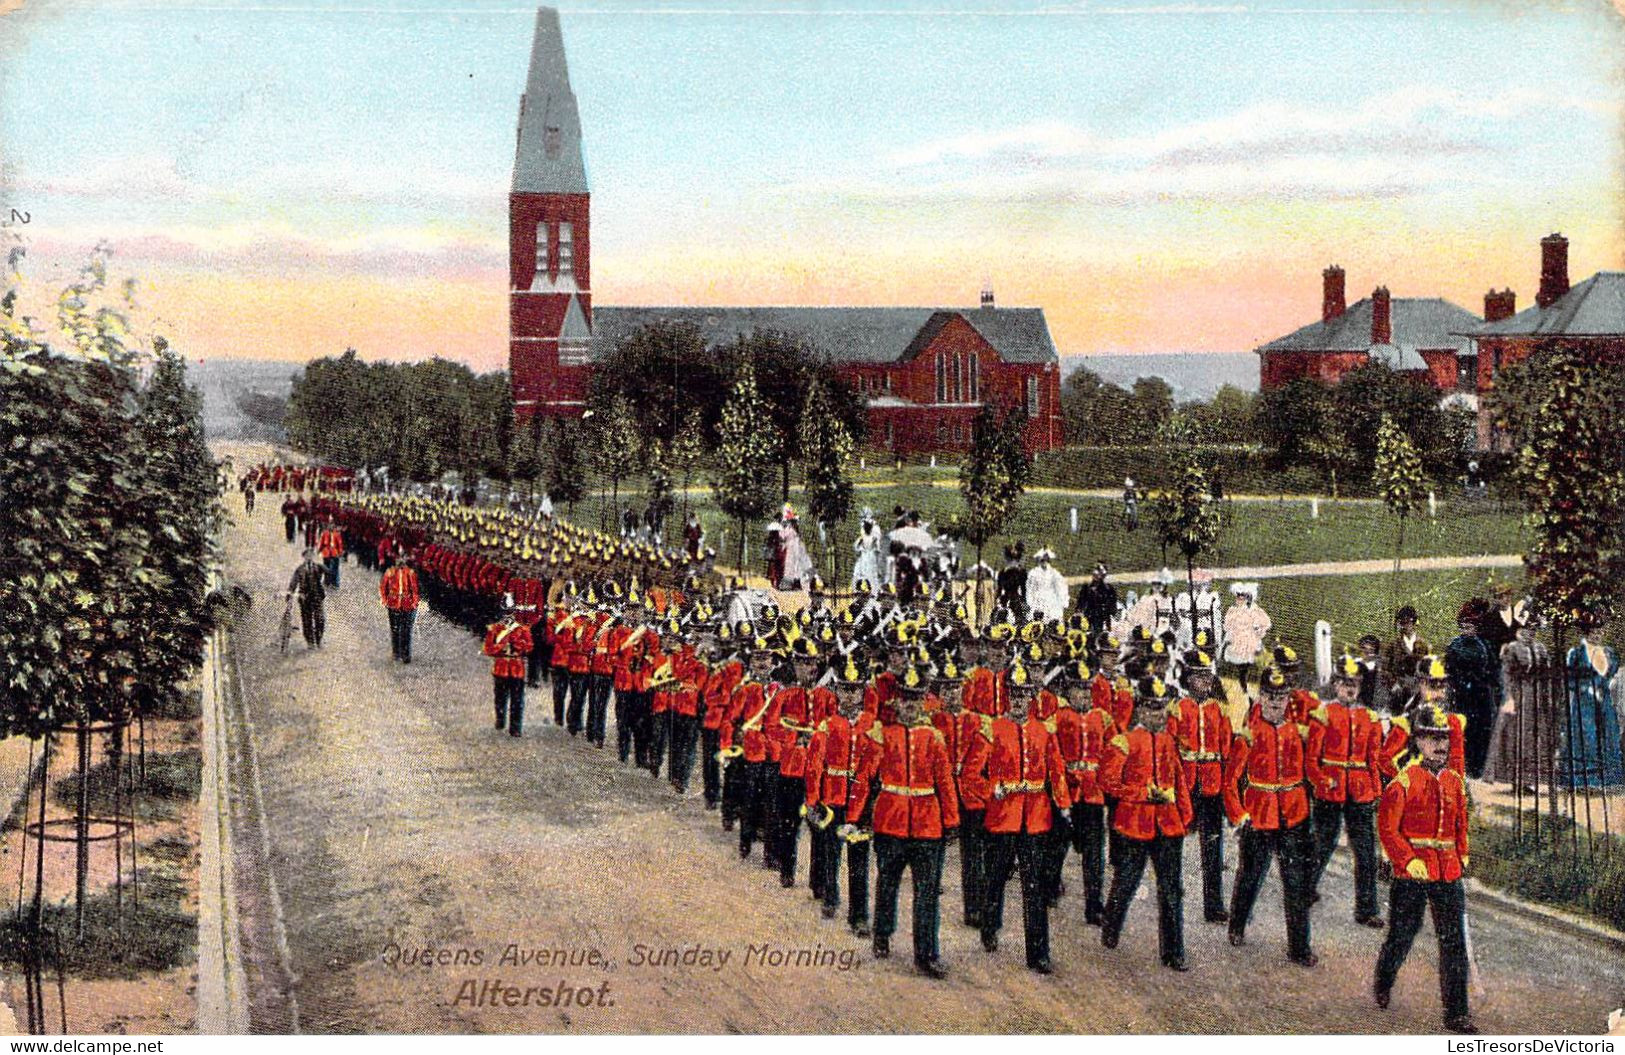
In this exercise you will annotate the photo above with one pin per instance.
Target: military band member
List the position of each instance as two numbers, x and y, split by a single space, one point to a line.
1432 683
1266 800
792 729
1422 822
724 673
744 743
508 643
1204 734
679 680
1014 773
832 768
907 781
1345 742
330 541
398 589
1082 731
1142 771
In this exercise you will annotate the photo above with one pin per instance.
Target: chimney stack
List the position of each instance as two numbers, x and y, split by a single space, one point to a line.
1500 305
1554 269
1382 329
1332 303
987 295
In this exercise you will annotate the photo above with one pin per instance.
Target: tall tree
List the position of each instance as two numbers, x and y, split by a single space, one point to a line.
827 450
746 455
1187 517
992 477
567 473
1399 479
617 445
687 451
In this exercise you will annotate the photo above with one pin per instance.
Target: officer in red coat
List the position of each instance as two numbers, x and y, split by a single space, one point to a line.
832 769
1422 822
1082 730
508 643
1203 730
1266 798
792 730
1014 773
906 788
1143 773
1345 741
724 671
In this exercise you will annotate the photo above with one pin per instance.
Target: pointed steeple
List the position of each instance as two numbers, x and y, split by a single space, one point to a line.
548 159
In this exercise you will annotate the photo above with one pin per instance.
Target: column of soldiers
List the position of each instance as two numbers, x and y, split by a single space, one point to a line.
896 731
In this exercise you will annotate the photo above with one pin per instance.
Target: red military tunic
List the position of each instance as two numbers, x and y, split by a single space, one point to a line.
792 729
1115 698
1068 728
748 714
957 731
606 647
399 589
1299 705
985 691
332 543
1095 730
832 761
906 769
1270 760
1345 745
1204 735
1135 762
507 643
718 692
1399 736
877 698
1423 817
1014 772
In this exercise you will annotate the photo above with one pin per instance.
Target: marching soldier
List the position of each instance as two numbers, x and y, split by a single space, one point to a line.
1265 798
906 773
1432 690
601 655
1344 745
832 767
1142 771
1082 731
792 728
508 643
723 675
560 632
398 588
744 743
1204 734
1422 822
331 544
682 702
291 509
1014 773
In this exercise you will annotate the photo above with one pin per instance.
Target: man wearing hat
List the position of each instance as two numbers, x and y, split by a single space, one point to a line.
726 669
790 726
1097 599
907 780
1400 657
1012 581
1265 799
1475 682
1142 771
745 729
309 581
508 643
398 589
1204 735
1432 690
1082 730
1422 820
1345 741
676 684
1014 773
832 767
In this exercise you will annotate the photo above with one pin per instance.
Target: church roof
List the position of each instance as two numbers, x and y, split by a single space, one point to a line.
1416 322
845 335
547 158
1595 307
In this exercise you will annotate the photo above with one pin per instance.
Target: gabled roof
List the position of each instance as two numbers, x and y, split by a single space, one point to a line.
1594 308
845 335
1416 322
547 159
1397 356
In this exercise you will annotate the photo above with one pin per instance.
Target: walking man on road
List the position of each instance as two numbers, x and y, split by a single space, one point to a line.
508 643
399 591
331 544
309 581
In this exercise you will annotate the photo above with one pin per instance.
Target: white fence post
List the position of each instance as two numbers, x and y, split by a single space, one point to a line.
1074 520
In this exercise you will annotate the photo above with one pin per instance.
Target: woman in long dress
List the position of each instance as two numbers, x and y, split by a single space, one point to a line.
797 565
870 565
1523 747
1591 744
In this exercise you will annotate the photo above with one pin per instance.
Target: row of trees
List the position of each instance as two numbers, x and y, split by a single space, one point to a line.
1098 413
108 507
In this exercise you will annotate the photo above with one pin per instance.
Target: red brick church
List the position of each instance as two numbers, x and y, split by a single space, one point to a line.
924 373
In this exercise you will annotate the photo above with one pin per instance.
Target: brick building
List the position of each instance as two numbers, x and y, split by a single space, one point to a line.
923 372
1421 335
1589 317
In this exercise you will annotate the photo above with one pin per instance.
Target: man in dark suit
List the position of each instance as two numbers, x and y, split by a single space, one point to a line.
1097 600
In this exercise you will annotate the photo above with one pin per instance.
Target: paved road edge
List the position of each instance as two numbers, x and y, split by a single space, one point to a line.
222 993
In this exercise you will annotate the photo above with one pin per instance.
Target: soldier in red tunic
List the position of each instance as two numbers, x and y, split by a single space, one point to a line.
723 675
745 744
1014 773
906 779
1082 731
832 768
508 643
1141 770
791 729
1265 796
1432 690
1204 734
1422 822
1344 745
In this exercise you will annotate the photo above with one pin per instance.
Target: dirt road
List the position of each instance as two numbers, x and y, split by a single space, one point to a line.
398 821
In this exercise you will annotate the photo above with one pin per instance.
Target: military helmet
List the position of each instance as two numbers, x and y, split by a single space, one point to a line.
1347 668
1272 681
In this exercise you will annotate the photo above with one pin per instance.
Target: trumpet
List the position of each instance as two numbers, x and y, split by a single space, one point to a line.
819 818
729 753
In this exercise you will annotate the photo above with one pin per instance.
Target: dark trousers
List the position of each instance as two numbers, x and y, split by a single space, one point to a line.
824 858
753 796
923 859
1407 898
1056 844
1294 849
659 734
710 768
290 527
400 633
1209 824
1480 715
685 729
561 691
972 864
509 694
598 686
1361 819
1167 854
312 621
1089 837
578 702
733 789
625 704
642 730
1032 853
827 863
792 794
332 565
536 662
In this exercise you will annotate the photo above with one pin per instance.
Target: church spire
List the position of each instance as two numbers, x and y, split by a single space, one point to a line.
548 158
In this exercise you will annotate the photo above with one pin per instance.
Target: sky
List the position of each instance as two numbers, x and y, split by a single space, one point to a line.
292 177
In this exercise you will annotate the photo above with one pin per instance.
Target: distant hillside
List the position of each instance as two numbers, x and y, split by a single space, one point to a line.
228 385
1191 375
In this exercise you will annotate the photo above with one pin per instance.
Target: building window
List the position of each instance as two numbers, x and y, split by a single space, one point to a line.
958 390
1032 397
567 264
975 378
942 435
888 383
942 377
890 436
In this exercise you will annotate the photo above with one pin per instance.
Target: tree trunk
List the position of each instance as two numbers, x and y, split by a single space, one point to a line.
81 829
